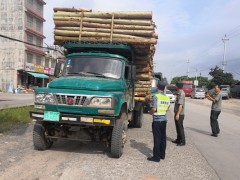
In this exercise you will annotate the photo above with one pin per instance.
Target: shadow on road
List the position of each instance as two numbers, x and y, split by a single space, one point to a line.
80 147
141 147
199 131
170 139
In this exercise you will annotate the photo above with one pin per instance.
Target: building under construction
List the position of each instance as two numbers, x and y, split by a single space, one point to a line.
23 64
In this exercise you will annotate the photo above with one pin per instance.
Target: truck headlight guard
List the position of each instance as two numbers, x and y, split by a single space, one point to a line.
45 98
101 102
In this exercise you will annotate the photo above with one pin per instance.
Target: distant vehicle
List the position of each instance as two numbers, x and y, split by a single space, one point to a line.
171 96
198 93
225 93
146 105
235 90
187 87
154 86
158 75
228 89
226 86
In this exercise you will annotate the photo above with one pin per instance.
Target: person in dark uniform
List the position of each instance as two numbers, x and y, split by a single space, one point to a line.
179 109
216 99
161 104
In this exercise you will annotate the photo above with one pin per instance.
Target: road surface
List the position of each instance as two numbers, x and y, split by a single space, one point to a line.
76 160
223 152
204 156
15 100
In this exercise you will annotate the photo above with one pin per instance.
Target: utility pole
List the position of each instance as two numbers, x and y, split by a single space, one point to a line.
224 63
188 67
170 78
196 73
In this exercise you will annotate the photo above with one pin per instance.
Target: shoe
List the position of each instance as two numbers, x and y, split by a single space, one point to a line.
181 144
176 141
153 159
214 135
163 157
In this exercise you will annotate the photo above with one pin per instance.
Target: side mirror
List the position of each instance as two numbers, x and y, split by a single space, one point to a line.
57 70
130 72
134 72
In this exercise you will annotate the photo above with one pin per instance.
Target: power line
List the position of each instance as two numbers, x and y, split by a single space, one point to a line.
14 39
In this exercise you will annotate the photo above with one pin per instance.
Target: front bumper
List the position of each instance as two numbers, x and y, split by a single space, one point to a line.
75 119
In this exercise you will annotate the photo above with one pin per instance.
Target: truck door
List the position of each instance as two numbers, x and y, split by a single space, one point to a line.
130 86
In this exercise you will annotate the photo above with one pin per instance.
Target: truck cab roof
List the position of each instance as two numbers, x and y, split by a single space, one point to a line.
112 49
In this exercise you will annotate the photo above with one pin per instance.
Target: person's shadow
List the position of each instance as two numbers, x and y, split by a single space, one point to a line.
198 130
141 147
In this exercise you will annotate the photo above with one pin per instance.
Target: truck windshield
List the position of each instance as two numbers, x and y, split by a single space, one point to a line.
187 86
93 66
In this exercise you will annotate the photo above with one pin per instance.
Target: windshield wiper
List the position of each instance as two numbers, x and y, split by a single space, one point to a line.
97 74
78 73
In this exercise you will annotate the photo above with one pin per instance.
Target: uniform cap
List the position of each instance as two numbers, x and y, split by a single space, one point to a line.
161 85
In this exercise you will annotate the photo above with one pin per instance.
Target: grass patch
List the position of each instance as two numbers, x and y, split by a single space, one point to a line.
12 116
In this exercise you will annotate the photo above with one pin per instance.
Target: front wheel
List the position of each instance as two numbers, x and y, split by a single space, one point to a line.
40 141
138 117
119 136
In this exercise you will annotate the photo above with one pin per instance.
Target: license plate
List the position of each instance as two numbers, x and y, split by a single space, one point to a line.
51 116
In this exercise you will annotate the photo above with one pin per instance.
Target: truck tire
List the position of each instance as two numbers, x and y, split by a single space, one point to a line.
138 117
40 142
119 136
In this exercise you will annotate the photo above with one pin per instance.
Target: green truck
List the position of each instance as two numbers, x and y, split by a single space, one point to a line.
92 100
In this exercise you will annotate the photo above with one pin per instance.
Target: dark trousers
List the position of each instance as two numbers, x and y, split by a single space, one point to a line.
159 138
180 129
214 122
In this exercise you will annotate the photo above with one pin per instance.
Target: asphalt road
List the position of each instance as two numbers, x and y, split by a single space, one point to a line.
222 153
15 100
204 156
77 160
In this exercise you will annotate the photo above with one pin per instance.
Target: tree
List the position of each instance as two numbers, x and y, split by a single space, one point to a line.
179 79
220 78
202 81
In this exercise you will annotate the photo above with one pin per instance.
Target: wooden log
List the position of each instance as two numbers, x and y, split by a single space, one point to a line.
99 14
139 98
72 9
58 39
93 34
141 89
142 70
143 82
142 86
145 33
98 25
143 76
140 94
105 21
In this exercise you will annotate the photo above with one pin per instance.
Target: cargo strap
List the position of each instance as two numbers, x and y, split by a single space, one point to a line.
81 26
111 34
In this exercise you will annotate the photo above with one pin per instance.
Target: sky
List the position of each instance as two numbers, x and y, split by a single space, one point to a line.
188 30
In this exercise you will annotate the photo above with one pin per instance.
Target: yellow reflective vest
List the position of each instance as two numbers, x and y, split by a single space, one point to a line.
163 102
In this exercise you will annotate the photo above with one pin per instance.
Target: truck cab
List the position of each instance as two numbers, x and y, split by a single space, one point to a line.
92 100
187 87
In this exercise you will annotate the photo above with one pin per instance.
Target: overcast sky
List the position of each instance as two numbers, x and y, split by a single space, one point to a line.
187 29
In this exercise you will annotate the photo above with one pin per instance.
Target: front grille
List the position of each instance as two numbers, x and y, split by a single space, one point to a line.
76 99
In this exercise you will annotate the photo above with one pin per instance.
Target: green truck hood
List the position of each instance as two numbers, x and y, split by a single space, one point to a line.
87 83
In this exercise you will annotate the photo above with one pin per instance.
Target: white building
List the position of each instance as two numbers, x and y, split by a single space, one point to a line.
23 64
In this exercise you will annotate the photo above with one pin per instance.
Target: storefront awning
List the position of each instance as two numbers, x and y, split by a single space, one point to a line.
38 75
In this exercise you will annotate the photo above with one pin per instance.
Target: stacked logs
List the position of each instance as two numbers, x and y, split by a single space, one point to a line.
134 28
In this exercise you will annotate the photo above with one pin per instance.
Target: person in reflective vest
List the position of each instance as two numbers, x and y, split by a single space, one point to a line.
161 104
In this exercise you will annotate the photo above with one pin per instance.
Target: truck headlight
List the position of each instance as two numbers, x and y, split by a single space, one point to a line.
45 98
103 102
